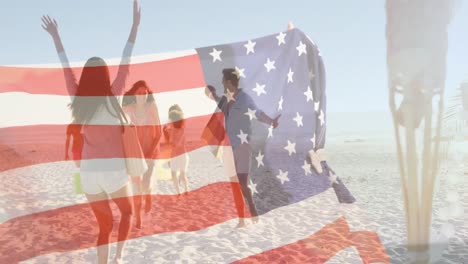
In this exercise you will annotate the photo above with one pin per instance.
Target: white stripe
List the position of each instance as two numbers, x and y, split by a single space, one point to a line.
21 109
116 61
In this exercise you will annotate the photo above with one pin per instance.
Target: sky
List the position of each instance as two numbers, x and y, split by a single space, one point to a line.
350 35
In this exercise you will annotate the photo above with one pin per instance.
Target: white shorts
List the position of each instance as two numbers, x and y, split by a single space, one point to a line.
180 163
93 182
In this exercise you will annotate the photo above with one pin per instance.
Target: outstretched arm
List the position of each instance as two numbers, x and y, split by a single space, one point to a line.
210 91
268 120
261 116
51 26
221 101
124 68
136 22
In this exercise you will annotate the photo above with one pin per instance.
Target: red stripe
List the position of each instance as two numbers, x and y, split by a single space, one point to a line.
323 245
162 76
31 145
74 227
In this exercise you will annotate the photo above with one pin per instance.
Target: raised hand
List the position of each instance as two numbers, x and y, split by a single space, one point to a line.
275 121
136 13
50 25
210 91
136 22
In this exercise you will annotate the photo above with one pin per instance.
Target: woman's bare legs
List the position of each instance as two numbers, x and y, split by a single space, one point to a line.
123 200
137 200
100 205
176 182
183 180
146 187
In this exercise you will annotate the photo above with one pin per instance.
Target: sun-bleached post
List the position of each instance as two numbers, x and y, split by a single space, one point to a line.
417 41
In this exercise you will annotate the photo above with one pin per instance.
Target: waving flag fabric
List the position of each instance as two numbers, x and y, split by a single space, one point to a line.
283 73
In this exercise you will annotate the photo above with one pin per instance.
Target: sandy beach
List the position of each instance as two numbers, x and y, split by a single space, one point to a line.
367 165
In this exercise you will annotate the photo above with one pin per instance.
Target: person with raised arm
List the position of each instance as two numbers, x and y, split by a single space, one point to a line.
96 107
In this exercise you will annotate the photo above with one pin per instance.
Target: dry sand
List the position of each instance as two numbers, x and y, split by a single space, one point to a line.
368 168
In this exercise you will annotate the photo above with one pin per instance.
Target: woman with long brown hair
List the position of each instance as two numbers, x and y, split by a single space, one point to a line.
95 106
140 107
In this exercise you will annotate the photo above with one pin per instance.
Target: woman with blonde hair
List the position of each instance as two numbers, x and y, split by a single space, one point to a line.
175 132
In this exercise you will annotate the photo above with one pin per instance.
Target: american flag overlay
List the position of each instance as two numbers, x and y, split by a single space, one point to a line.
284 74
44 220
